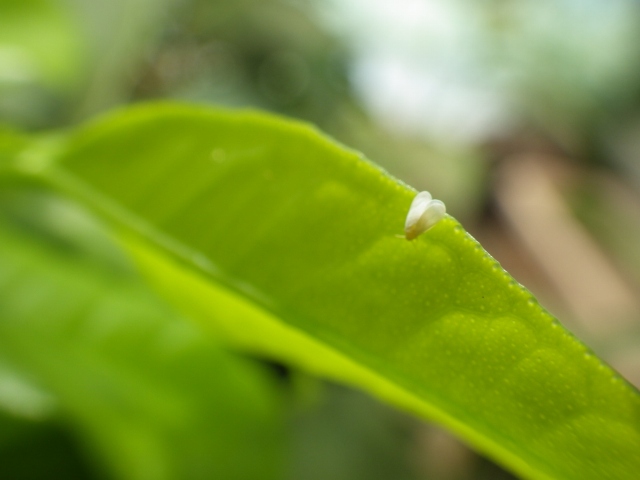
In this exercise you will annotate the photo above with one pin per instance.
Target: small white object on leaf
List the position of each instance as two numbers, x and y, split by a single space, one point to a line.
423 214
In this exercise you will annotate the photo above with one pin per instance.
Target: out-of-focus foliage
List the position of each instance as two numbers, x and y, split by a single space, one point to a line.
516 113
41 60
149 394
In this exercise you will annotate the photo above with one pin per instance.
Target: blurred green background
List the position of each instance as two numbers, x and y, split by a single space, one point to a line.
523 116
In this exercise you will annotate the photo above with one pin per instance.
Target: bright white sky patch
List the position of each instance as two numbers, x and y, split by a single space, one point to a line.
459 70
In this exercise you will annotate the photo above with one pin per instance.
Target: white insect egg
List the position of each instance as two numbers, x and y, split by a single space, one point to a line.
423 214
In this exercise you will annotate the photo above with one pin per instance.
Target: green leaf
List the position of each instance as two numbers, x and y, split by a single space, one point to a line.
11 143
289 244
150 392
